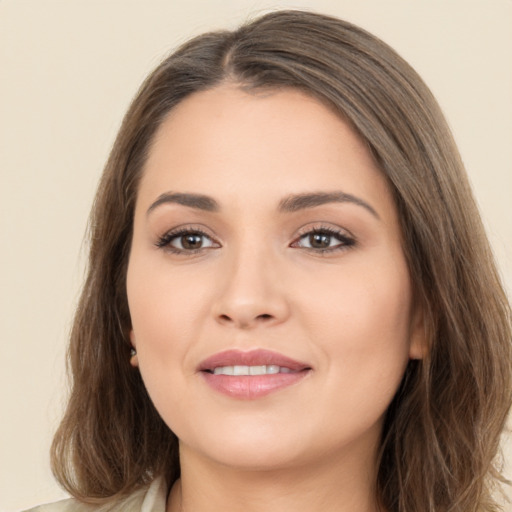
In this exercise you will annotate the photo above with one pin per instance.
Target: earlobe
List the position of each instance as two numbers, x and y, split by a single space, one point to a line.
418 349
418 345
134 361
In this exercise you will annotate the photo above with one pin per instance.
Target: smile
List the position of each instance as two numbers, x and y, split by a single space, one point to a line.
270 369
251 375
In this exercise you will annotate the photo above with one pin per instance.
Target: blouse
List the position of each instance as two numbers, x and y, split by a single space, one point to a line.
147 499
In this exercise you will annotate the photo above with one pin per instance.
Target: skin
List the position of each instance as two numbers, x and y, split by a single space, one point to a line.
256 281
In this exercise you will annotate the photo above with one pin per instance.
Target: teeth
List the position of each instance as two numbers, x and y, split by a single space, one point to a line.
257 370
224 370
240 370
270 369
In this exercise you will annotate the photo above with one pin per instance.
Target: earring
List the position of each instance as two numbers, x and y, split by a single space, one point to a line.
133 358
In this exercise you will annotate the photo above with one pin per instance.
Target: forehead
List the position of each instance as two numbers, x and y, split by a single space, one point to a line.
225 116
230 144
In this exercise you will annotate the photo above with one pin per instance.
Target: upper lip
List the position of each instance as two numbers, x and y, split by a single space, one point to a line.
250 358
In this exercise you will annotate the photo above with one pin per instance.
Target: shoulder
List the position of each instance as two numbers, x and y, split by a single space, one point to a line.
147 499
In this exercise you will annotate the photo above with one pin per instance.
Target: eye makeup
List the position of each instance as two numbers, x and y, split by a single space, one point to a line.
319 239
324 239
186 240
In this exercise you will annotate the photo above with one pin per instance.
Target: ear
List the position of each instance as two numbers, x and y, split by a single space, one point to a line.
418 344
134 360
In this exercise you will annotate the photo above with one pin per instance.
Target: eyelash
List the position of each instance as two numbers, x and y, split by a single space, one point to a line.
346 241
164 242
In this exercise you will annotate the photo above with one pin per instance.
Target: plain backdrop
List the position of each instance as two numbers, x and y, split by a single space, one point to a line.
68 70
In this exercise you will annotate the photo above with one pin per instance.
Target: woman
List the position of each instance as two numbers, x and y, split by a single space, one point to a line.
291 302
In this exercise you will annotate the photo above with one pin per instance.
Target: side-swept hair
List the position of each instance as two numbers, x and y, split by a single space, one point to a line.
442 430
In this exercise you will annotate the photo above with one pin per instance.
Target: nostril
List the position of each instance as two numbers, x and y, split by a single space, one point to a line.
265 316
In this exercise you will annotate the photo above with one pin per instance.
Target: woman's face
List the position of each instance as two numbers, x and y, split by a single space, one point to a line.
266 240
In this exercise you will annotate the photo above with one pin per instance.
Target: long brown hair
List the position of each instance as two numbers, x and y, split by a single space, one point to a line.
442 430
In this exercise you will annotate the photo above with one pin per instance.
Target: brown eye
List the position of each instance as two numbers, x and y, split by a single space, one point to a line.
186 241
319 240
191 241
324 240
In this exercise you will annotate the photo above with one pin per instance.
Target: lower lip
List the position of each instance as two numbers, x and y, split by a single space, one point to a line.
251 387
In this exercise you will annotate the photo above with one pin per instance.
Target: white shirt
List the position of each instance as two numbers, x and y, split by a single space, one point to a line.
147 499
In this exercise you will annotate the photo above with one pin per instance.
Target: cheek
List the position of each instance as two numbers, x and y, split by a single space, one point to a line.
363 320
164 312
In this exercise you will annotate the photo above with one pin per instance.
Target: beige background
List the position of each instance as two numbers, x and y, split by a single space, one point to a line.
67 72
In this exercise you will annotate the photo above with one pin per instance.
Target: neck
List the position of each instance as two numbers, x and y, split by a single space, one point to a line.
331 485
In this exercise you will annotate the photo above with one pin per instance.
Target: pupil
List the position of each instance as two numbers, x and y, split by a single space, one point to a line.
319 241
191 241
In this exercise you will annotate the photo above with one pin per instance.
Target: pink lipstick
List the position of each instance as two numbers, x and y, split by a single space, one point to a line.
251 375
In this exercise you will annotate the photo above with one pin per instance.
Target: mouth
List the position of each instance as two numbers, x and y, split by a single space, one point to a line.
270 369
253 374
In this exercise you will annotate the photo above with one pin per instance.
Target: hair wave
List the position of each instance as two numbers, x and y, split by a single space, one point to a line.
442 430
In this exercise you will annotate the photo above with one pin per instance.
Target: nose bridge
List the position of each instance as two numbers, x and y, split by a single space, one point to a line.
251 292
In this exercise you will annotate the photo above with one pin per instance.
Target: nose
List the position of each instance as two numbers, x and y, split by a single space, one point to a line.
251 293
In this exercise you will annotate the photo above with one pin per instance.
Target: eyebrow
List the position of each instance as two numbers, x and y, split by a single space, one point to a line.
199 201
289 204
303 201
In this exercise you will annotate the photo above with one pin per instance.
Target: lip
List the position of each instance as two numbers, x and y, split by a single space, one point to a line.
250 358
251 387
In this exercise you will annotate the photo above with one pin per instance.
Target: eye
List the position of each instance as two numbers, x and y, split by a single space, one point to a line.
324 240
186 241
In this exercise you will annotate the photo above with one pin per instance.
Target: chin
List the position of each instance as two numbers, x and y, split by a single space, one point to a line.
260 444
256 448
253 456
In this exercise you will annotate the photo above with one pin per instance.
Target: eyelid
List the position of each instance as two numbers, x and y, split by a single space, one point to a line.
323 226
164 241
346 238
